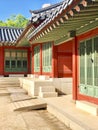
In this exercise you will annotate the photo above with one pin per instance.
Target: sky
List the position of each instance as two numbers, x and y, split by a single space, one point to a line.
14 7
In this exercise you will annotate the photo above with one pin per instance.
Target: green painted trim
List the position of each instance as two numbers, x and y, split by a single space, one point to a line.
23 42
87 28
62 40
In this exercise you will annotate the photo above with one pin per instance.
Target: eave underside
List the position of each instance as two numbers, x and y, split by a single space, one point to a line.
78 21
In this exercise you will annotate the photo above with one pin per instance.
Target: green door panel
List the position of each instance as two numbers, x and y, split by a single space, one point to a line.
37 58
96 92
82 63
47 57
89 63
88 67
90 91
96 61
83 89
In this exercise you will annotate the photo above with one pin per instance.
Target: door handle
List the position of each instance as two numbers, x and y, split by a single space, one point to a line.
92 60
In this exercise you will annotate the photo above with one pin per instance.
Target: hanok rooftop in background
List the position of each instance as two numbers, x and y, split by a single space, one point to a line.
8 35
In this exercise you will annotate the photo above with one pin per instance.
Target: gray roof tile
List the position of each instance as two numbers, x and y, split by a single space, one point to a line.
57 10
9 35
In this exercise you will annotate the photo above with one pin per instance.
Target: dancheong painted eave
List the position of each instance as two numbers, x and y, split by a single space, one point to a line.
22 39
71 16
9 35
38 16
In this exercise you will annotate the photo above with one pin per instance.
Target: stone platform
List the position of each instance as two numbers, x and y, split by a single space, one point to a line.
65 110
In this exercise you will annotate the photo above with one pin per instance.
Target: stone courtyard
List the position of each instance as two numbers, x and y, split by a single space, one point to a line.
26 120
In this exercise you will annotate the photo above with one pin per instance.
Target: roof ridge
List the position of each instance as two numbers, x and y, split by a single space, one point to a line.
6 27
46 8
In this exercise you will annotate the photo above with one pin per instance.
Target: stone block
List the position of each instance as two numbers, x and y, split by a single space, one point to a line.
46 89
47 94
43 77
88 107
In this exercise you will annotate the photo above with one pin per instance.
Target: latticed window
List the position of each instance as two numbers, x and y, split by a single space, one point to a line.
96 61
82 63
47 57
15 61
37 59
89 62
88 51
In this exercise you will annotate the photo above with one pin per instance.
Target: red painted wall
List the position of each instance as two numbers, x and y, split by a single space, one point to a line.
61 60
64 59
81 37
2 59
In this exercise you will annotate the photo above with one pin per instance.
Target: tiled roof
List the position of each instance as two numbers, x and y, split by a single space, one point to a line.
60 15
57 10
9 35
42 14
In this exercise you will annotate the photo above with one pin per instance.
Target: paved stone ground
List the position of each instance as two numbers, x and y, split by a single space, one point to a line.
27 120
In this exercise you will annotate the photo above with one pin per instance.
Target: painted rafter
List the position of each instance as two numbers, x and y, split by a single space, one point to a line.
91 14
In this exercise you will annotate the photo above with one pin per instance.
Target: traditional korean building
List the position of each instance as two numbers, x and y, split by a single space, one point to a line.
63 40
13 60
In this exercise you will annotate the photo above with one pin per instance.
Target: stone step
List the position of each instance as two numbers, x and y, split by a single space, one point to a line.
8 85
46 89
48 94
88 107
44 77
29 105
13 78
16 75
16 90
4 92
16 97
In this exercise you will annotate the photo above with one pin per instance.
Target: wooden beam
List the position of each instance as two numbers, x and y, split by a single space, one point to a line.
77 8
66 16
58 23
87 13
88 27
84 3
62 20
71 13
54 25
50 28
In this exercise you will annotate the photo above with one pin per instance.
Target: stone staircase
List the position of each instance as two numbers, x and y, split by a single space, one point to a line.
6 82
47 91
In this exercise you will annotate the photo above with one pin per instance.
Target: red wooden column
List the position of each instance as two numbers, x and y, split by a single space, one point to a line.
1 60
32 62
74 69
40 59
29 59
54 62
